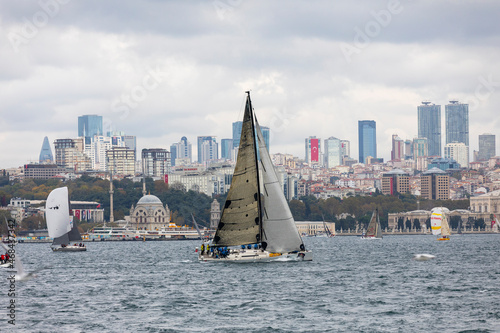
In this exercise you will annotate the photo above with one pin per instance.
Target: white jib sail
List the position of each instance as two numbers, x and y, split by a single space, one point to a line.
279 229
57 212
436 217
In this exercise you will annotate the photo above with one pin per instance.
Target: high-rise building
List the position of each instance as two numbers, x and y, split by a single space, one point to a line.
459 152
88 126
420 153
70 154
408 150
487 147
265 134
333 152
429 126
97 148
398 148
313 150
208 149
435 184
120 161
395 182
457 122
181 150
237 133
46 153
226 149
367 135
345 147
155 162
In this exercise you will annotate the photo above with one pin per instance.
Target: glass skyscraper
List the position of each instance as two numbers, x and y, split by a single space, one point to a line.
237 133
333 152
226 149
367 134
46 153
457 122
208 149
88 126
429 126
487 147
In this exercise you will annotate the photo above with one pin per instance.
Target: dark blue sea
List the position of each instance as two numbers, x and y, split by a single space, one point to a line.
352 285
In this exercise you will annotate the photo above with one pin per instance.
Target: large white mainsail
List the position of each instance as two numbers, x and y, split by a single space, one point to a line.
240 220
57 212
279 231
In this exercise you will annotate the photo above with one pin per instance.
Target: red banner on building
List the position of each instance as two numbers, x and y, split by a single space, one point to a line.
314 150
166 179
76 213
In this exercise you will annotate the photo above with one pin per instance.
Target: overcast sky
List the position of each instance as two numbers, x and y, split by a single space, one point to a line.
161 70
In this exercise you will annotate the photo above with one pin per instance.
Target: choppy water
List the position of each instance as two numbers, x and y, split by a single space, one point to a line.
351 286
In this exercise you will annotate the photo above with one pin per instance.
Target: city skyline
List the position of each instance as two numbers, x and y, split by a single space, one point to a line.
314 69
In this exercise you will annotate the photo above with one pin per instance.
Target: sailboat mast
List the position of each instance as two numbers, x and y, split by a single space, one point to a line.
259 201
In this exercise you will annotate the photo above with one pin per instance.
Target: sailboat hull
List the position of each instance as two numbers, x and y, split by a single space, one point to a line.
258 255
69 248
370 237
443 238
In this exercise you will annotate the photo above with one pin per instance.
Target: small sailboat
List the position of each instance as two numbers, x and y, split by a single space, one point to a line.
256 223
374 230
439 224
494 224
60 223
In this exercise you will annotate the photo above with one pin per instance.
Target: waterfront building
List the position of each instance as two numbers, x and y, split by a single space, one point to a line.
88 126
435 184
46 153
314 228
226 149
120 161
149 214
333 152
457 122
208 149
398 148
367 136
395 182
429 126
486 203
313 150
459 152
155 162
70 154
215 213
487 147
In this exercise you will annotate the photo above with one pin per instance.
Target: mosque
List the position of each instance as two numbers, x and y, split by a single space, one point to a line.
149 213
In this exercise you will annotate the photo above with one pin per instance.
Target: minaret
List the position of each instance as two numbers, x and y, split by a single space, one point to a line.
144 186
111 217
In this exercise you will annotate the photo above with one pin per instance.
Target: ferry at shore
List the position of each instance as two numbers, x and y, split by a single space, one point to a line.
172 232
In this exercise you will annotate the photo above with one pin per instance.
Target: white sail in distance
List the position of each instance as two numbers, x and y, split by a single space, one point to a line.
436 218
57 212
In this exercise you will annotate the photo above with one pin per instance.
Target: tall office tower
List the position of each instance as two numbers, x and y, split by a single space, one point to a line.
398 148
367 135
457 122
435 184
459 152
226 149
265 134
46 152
120 161
395 182
333 152
208 149
408 150
88 126
313 150
181 150
486 147
429 126
155 162
345 147
97 148
70 154
237 133
130 142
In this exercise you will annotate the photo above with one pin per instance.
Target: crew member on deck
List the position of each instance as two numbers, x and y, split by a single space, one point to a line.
202 249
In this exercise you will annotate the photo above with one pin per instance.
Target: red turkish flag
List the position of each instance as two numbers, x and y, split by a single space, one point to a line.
314 150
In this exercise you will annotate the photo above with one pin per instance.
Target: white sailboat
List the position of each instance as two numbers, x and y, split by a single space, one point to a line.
374 230
439 224
256 216
494 224
60 224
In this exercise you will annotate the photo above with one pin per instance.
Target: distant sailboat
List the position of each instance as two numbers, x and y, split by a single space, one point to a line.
374 230
256 215
439 224
60 223
494 224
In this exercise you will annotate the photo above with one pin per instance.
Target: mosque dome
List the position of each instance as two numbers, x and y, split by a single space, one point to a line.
149 199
